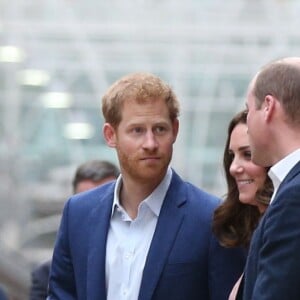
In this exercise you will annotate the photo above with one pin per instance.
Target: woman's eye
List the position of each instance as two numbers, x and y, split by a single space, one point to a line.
247 154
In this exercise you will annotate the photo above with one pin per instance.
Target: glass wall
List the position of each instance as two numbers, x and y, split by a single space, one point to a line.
58 57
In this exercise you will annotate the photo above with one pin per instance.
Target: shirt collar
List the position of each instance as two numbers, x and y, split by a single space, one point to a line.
116 202
154 201
280 170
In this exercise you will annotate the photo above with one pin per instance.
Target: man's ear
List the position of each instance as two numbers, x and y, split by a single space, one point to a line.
109 134
175 129
269 107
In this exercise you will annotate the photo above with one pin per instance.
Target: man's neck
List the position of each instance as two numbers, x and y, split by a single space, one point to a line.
132 193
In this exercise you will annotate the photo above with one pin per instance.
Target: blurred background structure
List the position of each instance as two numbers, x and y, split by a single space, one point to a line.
58 57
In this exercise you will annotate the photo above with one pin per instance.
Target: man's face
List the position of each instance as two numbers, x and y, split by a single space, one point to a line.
144 140
257 138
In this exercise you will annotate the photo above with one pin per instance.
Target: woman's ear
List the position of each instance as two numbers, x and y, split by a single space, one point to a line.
109 135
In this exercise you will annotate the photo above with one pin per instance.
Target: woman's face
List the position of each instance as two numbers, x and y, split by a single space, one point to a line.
248 176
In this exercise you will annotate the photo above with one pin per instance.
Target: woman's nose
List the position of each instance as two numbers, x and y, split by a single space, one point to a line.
235 167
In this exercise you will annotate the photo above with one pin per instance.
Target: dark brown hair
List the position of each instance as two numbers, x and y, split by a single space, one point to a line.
233 221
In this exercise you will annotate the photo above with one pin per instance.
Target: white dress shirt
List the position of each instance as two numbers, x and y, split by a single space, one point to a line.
280 170
129 240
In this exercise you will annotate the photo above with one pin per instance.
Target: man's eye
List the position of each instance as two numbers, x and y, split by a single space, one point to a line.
137 130
160 129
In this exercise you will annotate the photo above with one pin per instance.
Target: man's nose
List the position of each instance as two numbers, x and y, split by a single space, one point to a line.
150 141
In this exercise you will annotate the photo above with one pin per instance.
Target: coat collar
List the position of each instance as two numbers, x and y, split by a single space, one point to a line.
293 172
168 224
99 225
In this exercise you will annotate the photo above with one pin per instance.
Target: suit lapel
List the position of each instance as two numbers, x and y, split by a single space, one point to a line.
168 224
291 174
99 224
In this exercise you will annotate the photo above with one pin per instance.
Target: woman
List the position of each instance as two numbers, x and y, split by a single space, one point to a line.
249 190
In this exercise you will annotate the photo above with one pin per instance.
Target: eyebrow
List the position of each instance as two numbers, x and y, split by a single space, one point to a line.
240 148
244 148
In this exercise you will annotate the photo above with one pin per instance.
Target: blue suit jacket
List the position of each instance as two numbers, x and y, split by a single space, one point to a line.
184 260
273 266
3 295
39 281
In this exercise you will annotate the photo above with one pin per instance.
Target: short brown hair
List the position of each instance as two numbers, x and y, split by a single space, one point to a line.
280 79
139 87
